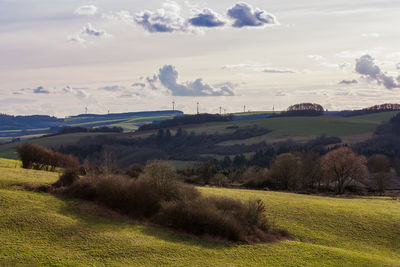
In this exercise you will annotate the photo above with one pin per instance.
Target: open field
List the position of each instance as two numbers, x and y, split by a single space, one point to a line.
41 229
350 129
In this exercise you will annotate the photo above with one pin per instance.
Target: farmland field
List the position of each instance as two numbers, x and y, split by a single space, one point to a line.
350 129
41 229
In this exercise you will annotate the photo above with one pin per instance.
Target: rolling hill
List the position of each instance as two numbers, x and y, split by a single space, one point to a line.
349 129
41 229
26 127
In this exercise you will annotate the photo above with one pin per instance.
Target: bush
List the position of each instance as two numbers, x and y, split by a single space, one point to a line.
158 196
219 180
218 217
67 178
41 158
140 198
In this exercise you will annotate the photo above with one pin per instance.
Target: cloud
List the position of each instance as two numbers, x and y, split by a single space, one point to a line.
168 77
207 18
316 57
142 85
113 88
166 19
366 66
41 90
79 92
370 35
88 30
348 82
88 10
245 15
258 67
279 71
398 66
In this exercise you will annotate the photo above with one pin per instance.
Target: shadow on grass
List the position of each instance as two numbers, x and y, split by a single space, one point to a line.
91 215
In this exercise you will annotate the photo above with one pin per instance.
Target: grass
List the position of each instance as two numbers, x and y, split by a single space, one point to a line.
350 129
41 229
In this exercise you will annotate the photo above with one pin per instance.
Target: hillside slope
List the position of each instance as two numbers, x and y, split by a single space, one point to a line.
41 229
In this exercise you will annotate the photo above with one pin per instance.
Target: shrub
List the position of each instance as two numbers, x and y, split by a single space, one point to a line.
140 198
41 158
218 217
219 180
67 178
134 170
254 177
158 196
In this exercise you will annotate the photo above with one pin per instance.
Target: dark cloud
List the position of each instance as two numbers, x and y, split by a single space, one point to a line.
245 15
138 85
41 90
207 18
168 77
366 66
348 82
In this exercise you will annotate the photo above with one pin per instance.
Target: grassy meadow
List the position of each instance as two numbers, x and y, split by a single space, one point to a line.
41 229
350 129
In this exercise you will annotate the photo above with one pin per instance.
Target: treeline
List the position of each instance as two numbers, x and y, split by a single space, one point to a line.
301 110
10 122
386 140
375 109
103 129
340 170
186 120
181 145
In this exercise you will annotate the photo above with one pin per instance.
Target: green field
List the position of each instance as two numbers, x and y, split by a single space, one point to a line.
350 129
41 229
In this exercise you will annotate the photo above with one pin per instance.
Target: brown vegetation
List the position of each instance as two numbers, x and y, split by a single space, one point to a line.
342 167
159 197
40 158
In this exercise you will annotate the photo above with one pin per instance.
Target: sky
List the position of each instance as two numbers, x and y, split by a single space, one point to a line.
59 56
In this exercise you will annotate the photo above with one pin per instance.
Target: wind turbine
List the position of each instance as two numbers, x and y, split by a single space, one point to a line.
198 108
86 110
173 105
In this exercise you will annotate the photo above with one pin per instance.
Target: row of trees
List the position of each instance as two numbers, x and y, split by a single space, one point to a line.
339 170
302 110
185 120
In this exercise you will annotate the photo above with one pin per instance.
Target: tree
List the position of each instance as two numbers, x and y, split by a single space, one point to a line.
379 166
310 171
342 167
284 171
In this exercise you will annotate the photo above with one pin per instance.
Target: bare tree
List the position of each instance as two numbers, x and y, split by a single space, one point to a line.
343 167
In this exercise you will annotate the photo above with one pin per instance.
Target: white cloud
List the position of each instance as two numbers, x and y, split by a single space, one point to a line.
371 35
244 15
166 19
89 10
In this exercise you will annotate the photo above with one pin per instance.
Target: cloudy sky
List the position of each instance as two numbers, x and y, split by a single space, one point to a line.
57 57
